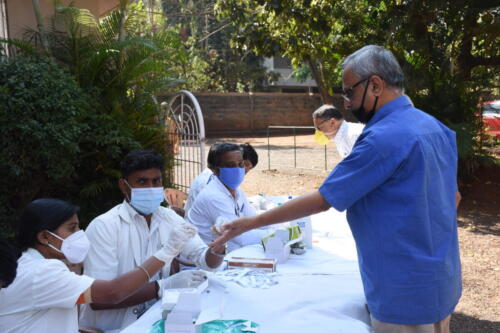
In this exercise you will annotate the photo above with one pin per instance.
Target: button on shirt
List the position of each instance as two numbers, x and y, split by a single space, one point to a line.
398 186
42 297
120 241
215 200
198 184
346 137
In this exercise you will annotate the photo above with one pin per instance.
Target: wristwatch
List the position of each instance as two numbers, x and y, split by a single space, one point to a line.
220 255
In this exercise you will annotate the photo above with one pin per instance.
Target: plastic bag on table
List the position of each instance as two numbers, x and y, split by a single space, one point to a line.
229 326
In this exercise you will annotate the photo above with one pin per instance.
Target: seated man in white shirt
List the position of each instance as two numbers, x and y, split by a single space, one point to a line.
330 121
223 197
250 158
122 238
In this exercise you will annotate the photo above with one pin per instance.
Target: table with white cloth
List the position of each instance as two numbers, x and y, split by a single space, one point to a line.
318 291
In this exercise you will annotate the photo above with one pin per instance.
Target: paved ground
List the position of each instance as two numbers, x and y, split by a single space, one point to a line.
479 227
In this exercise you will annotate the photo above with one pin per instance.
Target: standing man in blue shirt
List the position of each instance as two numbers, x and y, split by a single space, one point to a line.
399 188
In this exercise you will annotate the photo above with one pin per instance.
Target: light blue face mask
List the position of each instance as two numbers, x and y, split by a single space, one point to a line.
232 177
146 200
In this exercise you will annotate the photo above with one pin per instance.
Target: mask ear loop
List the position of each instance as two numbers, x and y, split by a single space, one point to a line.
52 246
130 187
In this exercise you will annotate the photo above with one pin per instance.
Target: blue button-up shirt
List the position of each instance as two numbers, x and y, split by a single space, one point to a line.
398 186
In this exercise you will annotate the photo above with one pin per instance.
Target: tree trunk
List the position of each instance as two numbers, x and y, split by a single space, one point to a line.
326 98
151 8
40 25
122 35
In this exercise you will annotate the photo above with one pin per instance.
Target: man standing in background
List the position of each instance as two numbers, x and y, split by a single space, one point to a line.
330 123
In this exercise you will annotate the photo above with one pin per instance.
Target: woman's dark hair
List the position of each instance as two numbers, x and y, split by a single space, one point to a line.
141 160
8 263
250 154
222 148
40 215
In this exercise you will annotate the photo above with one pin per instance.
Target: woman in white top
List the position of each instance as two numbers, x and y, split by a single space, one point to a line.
44 294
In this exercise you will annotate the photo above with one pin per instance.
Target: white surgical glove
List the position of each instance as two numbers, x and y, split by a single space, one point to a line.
183 279
179 235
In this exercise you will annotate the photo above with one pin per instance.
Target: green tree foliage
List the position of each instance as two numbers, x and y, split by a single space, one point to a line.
42 110
121 65
449 49
317 33
208 39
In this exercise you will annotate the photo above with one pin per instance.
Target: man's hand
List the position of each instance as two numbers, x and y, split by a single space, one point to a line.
233 229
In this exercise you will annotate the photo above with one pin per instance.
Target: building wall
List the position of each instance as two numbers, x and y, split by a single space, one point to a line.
245 114
20 14
286 78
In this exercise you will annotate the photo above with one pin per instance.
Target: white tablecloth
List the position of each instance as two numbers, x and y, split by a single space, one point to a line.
319 291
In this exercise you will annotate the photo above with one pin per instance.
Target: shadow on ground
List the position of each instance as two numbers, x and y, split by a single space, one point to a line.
461 323
480 225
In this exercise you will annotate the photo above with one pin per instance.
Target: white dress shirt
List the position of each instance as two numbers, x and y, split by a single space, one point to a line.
42 297
215 200
120 241
346 137
196 186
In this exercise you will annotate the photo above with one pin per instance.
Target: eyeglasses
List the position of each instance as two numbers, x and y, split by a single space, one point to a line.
322 122
349 92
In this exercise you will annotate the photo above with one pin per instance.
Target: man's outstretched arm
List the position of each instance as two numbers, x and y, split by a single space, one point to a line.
305 205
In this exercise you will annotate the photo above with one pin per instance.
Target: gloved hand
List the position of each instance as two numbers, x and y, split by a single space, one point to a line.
179 235
183 279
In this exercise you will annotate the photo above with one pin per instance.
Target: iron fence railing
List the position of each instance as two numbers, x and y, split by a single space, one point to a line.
307 153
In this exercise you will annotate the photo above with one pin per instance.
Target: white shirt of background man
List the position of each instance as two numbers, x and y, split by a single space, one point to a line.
215 200
196 186
346 137
120 241
43 296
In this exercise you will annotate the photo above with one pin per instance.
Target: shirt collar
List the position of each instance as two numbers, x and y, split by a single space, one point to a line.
388 108
34 253
129 214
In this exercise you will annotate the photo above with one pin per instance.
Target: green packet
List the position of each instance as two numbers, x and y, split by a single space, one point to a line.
158 327
215 326
293 233
229 326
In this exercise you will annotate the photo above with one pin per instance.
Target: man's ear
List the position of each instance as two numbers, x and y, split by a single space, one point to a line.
124 188
216 171
378 85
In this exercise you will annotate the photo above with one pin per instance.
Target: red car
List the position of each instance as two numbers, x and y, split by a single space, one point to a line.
491 118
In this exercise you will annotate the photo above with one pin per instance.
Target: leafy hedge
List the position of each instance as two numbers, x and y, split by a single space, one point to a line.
54 144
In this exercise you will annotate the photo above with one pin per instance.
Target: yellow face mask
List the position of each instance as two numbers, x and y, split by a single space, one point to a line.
321 138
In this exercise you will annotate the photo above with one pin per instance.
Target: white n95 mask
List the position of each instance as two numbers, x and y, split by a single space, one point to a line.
74 247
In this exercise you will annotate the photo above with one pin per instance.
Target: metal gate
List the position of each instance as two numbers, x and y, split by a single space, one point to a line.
186 131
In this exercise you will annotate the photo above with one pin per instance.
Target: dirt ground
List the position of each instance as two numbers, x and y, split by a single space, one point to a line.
478 218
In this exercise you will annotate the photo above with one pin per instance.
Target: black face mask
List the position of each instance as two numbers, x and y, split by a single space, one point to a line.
360 113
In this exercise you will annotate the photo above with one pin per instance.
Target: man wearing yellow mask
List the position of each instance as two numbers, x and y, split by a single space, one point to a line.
331 125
